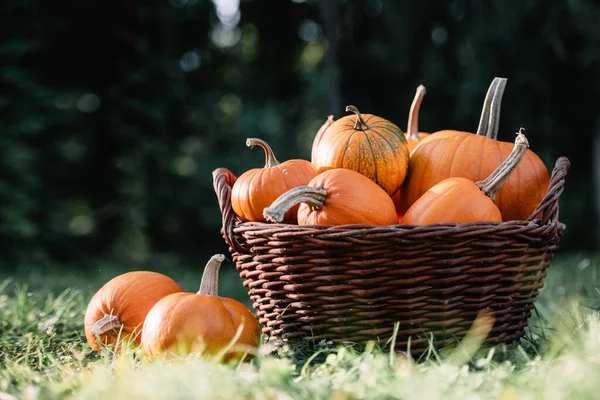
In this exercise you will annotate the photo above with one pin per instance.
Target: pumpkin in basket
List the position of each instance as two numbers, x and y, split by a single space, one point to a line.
451 153
257 188
459 200
201 323
368 144
336 196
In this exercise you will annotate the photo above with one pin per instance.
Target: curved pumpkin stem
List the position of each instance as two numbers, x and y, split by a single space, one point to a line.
412 129
270 161
210 278
314 196
493 183
106 324
489 122
360 124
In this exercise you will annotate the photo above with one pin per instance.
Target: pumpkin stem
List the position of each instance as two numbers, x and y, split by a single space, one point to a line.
360 124
314 196
493 183
270 161
485 110
318 138
412 129
210 278
489 122
105 324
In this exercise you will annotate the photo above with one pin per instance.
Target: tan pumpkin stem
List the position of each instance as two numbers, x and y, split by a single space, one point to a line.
314 196
210 278
412 129
485 110
360 124
106 324
270 161
493 183
489 122
318 137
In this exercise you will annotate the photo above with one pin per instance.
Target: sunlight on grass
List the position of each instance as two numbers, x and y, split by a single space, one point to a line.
43 354
345 374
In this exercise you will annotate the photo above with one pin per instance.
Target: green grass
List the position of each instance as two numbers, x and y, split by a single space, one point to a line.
43 353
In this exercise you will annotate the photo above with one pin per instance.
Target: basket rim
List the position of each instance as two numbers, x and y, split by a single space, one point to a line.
223 180
389 228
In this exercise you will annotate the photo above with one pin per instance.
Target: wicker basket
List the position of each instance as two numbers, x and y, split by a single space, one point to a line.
354 282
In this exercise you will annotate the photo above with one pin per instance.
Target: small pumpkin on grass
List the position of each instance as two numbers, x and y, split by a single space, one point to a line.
459 200
201 323
368 144
118 309
336 196
257 188
451 153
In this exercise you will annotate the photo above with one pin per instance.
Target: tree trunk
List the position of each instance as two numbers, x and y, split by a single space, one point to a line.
330 23
596 176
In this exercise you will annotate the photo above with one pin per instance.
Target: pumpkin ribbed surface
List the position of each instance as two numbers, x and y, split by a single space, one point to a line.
365 143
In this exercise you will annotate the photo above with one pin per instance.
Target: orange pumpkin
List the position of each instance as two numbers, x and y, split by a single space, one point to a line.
337 196
257 188
450 153
413 136
201 323
117 311
368 144
459 200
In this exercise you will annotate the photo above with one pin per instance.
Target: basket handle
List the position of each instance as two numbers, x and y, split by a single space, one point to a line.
549 204
223 180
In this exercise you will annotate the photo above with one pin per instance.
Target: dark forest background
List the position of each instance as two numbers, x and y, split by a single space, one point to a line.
114 114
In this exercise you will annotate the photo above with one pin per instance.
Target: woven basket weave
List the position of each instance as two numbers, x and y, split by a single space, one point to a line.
354 282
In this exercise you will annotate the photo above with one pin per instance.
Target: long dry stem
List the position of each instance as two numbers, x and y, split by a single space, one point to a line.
489 122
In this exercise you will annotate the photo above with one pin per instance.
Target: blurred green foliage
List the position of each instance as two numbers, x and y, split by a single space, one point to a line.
113 115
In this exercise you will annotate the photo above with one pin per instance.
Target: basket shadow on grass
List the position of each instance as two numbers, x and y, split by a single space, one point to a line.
471 349
306 351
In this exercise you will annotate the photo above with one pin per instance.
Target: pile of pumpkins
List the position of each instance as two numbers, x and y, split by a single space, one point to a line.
363 170
149 310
